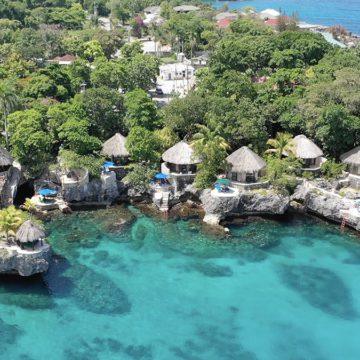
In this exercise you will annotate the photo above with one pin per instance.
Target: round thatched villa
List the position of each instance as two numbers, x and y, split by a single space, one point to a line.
114 148
307 151
180 159
352 159
30 234
246 168
180 162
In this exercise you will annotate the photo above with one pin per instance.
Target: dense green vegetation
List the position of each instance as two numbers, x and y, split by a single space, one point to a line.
259 83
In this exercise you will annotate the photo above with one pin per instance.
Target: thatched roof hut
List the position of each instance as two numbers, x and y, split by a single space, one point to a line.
29 232
5 158
304 148
351 157
181 154
246 161
185 8
153 10
115 146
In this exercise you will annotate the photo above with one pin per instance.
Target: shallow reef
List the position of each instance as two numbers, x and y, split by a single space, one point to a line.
321 288
211 270
97 293
70 233
89 349
9 335
164 289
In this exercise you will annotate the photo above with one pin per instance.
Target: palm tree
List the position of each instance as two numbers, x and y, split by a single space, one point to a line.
206 138
29 206
10 220
282 143
8 102
211 146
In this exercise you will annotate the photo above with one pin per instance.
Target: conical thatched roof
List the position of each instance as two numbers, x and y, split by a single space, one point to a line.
304 148
115 146
245 160
29 232
351 157
5 158
181 154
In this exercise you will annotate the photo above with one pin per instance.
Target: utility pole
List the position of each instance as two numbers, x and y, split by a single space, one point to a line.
95 15
95 10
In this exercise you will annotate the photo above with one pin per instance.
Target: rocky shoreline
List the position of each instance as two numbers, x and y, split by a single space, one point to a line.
305 200
215 211
308 197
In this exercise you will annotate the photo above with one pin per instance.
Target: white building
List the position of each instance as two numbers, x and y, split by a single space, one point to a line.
155 48
269 14
176 71
153 19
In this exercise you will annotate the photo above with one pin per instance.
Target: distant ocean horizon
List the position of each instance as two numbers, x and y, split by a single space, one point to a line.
322 12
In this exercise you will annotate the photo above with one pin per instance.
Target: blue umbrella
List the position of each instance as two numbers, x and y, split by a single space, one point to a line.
161 176
47 192
108 164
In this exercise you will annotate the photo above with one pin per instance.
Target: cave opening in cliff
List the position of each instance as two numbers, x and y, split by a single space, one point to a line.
26 190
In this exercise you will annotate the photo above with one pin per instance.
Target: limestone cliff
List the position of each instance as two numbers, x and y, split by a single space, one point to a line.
9 182
218 207
25 263
79 188
325 203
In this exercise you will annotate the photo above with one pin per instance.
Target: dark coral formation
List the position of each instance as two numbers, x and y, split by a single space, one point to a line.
9 335
90 348
212 270
321 288
97 293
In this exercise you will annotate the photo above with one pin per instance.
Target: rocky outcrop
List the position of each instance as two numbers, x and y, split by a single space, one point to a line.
9 182
324 203
13 260
81 189
218 208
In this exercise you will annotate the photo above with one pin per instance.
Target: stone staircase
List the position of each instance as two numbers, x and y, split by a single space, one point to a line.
164 206
161 200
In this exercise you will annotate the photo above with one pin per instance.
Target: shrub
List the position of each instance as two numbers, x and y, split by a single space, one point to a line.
308 175
71 160
286 184
139 176
332 170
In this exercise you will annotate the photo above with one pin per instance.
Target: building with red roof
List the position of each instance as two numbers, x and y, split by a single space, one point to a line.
63 60
275 22
224 23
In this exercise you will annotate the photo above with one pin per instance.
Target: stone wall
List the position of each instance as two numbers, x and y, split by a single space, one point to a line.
104 189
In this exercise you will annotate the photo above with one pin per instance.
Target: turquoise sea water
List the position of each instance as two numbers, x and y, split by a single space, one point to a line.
170 291
323 12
